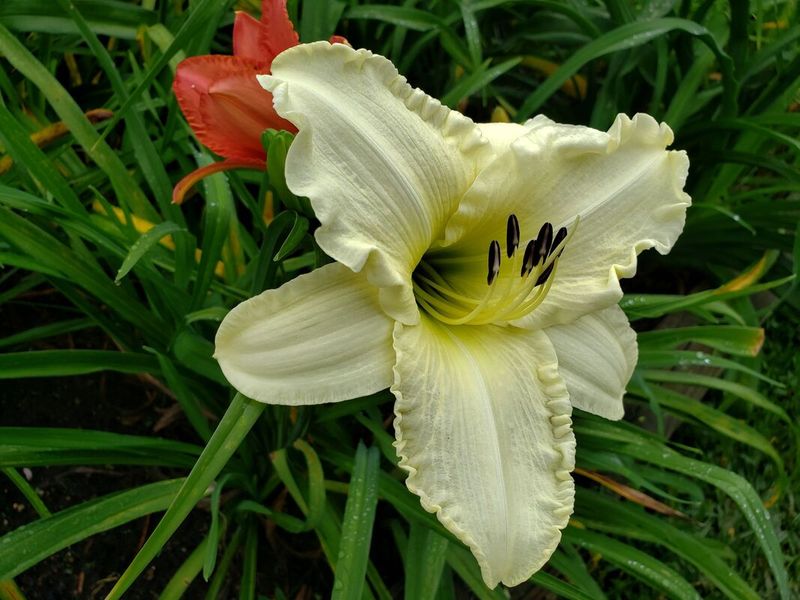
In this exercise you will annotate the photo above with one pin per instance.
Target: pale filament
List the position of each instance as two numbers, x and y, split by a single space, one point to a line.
511 293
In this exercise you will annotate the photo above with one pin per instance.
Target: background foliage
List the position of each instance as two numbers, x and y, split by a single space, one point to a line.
694 495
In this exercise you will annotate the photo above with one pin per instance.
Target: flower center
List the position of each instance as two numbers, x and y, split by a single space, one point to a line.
515 286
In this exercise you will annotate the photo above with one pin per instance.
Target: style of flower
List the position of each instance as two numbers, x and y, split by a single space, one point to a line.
477 275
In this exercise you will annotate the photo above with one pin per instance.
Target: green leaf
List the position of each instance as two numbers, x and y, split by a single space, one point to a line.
218 215
359 516
26 546
424 562
319 19
184 575
316 483
638 306
14 138
567 561
125 186
266 268
57 363
637 563
742 391
477 80
199 16
62 438
223 567
212 547
577 14
145 150
472 31
106 17
34 446
34 334
190 404
313 508
718 421
277 143
294 238
146 243
653 359
411 18
562 588
626 36
744 341
240 417
27 490
212 313
463 563
195 352
41 246
247 583
741 492
596 509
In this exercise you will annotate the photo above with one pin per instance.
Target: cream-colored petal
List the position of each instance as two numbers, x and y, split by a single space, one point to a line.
383 164
483 428
501 135
625 186
321 337
596 357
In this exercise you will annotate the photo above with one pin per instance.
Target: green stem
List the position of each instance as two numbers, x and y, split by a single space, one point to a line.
240 417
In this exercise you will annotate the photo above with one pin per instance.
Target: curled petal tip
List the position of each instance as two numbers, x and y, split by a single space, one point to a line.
280 32
250 39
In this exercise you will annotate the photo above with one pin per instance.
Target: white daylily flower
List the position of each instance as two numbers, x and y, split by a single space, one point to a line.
463 282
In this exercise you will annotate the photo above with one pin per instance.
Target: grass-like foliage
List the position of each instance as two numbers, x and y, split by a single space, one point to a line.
693 495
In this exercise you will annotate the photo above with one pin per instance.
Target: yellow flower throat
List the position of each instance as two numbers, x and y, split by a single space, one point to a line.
516 286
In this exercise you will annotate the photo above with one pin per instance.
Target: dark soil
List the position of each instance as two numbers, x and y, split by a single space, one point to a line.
105 402
89 569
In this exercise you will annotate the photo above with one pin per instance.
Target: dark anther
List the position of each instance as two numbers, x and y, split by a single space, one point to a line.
543 243
562 233
543 277
512 235
527 259
494 261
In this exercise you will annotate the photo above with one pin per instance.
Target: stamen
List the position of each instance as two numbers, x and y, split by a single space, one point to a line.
446 292
538 274
431 300
543 242
530 304
527 259
444 296
529 283
494 261
560 236
512 235
543 277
